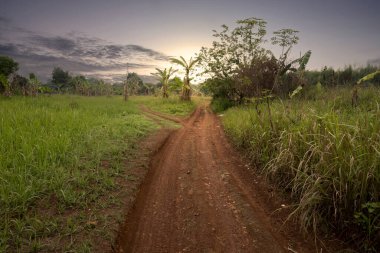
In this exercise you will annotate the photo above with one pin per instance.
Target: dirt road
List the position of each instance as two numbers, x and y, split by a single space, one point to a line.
197 197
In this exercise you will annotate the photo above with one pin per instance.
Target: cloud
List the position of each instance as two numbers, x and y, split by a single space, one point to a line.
4 20
75 52
374 62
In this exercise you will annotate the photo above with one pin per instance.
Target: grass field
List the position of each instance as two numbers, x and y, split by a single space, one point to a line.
325 153
52 154
171 105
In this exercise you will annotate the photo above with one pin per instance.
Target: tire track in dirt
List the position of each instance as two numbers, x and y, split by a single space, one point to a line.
197 199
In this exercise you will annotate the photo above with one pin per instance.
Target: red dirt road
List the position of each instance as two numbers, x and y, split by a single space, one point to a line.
197 198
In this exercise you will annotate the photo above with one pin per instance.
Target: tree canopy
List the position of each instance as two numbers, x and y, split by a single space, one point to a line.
7 66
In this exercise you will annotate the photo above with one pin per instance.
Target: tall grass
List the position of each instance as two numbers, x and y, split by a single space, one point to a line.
325 153
52 148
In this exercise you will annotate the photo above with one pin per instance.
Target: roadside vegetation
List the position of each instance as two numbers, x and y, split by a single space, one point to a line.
313 133
324 153
169 106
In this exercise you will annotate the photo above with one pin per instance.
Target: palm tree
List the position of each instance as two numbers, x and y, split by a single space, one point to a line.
164 76
188 66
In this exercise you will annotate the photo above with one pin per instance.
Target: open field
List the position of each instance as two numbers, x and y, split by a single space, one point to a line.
190 126
64 154
324 153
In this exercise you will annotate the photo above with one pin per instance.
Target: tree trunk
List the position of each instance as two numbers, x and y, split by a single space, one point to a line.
186 90
165 91
125 92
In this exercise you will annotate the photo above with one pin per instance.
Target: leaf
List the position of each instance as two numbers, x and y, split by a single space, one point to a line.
296 91
304 60
369 77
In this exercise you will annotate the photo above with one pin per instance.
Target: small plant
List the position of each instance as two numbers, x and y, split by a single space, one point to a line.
369 220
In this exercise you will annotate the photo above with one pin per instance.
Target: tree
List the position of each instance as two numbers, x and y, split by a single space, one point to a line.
135 83
60 78
164 76
19 85
239 47
7 67
175 85
237 60
188 66
243 67
81 85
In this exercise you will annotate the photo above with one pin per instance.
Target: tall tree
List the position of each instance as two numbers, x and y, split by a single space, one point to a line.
7 67
164 76
60 78
187 66
135 83
238 58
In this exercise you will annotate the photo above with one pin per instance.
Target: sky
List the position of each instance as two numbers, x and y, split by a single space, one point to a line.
98 37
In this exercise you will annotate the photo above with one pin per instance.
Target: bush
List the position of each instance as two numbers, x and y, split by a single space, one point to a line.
221 104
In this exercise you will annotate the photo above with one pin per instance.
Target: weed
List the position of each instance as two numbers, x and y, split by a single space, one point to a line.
322 151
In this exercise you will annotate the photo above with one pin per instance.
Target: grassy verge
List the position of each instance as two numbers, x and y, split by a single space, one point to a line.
61 155
325 153
172 105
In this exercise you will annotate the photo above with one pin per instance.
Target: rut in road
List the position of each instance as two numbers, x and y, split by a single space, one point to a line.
195 198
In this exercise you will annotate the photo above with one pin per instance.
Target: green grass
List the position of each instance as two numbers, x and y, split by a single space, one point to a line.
325 153
171 105
51 151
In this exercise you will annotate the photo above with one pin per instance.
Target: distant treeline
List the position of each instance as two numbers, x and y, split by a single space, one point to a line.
12 83
347 76
327 76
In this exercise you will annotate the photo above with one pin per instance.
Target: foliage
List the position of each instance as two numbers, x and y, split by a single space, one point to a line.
346 76
188 67
19 85
241 46
7 66
4 87
323 152
369 220
175 85
164 77
244 68
220 104
135 84
60 78
369 77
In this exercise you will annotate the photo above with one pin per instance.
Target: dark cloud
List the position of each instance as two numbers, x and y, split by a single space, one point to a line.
56 43
4 20
74 52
